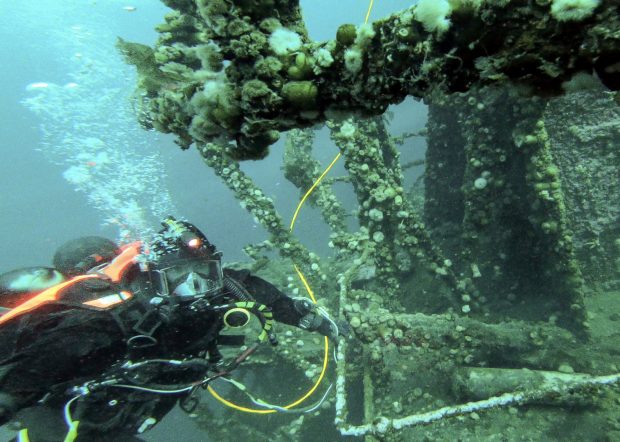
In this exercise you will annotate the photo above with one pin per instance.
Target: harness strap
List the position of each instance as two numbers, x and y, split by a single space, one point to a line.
45 297
115 271
122 262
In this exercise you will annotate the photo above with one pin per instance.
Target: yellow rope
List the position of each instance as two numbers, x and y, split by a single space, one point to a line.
310 293
310 190
368 12
316 183
288 406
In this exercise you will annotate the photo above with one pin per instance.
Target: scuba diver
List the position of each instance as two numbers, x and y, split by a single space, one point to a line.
104 344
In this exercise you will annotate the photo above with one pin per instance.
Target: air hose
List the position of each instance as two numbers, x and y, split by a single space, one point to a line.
237 289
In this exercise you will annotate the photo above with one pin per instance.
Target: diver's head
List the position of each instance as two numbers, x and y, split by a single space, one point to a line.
183 240
189 279
79 255
188 266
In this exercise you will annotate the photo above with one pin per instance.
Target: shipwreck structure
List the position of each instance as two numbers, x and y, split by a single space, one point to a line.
489 278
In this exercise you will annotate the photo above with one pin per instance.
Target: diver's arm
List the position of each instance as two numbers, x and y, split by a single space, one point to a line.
298 312
50 348
22 366
19 388
263 292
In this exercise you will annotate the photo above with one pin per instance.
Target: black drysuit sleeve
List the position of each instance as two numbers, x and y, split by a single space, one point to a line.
264 292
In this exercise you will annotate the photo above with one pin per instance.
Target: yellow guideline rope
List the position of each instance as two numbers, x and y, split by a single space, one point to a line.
310 293
368 12
310 190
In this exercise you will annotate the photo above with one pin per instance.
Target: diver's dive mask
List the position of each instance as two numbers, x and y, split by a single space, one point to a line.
191 279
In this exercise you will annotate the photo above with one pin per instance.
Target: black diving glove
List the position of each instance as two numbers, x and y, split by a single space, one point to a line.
316 319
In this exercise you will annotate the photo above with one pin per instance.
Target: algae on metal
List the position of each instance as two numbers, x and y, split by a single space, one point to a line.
268 87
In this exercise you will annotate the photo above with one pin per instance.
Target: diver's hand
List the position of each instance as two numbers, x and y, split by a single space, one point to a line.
316 319
344 329
334 330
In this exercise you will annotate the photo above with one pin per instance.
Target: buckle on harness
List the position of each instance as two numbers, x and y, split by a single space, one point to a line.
148 323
